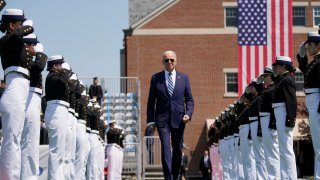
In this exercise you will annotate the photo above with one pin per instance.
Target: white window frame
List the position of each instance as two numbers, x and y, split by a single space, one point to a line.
313 15
305 15
228 5
226 71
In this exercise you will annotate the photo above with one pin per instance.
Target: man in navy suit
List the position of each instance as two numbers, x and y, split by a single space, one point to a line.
170 108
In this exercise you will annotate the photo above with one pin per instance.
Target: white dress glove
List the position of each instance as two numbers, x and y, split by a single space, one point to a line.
38 48
302 50
259 79
74 77
66 66
28 23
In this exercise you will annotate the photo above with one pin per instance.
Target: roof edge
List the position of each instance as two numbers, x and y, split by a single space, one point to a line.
154 14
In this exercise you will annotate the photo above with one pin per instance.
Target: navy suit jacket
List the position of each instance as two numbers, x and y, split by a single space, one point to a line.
162 109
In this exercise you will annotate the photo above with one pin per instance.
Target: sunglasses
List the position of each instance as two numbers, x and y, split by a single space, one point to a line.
167 60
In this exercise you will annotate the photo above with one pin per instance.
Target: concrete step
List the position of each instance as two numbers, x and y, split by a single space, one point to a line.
154 178
153 173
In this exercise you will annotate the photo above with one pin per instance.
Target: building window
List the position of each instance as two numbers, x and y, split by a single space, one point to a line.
298 77
231 16
231 82
316 15
299 16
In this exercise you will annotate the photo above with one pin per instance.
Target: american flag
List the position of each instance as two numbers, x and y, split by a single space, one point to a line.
264 32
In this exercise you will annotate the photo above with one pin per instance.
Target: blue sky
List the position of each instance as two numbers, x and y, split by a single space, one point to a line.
87 33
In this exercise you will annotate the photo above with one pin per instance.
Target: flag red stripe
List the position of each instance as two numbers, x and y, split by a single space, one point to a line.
265 56
248 58
239 70
281 14
273 29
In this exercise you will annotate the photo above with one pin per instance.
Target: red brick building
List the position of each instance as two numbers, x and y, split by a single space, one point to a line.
203 34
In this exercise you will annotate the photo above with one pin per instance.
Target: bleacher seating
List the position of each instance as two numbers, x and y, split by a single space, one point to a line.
123 108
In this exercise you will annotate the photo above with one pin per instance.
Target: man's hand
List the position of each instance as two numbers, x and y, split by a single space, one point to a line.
185 119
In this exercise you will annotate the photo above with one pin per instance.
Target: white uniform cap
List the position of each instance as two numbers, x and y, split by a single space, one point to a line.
282 60
56 59
30 38
112 121
96 106
268 70
313 37
13 14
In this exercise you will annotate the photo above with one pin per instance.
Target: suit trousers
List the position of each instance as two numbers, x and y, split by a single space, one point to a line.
30 138
171 163
80 166
247 154
239 175
261 167
12 106
271 148
288 168
93 165
55 119
312 102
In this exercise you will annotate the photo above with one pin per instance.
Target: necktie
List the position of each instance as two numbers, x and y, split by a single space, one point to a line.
170 84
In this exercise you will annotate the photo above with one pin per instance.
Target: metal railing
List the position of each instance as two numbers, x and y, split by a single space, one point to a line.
151 157
151 151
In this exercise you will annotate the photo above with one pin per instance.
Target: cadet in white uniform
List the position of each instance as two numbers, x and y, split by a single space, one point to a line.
57 94
16 63
31 133
311 73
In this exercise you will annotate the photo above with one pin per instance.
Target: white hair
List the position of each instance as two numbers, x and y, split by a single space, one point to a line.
170 52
